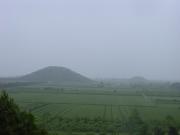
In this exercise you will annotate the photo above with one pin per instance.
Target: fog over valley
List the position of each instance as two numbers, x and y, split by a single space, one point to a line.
89 67
99 39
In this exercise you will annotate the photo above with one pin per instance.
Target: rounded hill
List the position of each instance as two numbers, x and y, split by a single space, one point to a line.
55 74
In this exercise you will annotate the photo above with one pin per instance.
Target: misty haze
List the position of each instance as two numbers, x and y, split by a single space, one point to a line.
97 67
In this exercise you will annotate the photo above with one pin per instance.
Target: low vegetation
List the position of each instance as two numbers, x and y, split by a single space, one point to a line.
96 111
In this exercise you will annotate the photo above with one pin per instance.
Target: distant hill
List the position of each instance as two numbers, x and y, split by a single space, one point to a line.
176 85
138 79
53 74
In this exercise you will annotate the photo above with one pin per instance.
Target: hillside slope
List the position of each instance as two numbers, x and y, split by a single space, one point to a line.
53 74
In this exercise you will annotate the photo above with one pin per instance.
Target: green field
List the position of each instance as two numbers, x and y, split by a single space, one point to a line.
49 107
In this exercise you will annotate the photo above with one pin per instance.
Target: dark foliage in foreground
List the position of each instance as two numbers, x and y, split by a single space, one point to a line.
13 121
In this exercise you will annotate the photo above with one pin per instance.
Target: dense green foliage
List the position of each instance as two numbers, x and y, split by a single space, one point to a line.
13 121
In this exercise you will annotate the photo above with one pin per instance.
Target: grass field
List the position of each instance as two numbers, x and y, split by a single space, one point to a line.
48 106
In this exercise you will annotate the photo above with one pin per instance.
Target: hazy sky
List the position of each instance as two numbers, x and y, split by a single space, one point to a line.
98 38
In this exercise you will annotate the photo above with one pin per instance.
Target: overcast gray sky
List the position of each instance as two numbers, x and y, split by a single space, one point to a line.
98 38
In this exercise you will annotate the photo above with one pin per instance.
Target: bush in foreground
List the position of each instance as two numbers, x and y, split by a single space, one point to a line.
13 121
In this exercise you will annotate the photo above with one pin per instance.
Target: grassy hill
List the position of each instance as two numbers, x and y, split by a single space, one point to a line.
52 74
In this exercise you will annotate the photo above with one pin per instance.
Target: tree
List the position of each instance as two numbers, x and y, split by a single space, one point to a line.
171 125
13 121
158 131
172 131
136 126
